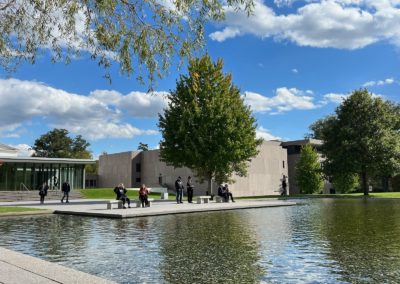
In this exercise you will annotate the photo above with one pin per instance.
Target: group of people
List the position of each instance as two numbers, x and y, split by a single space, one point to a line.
121 193
44 188
224 192
179 187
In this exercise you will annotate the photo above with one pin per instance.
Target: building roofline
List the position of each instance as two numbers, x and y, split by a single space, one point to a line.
303 142
38 160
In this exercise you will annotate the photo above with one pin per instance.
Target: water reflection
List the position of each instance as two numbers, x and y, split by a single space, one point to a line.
209 248
364 237
321 241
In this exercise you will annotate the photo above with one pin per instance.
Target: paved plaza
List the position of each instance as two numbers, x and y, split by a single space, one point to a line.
98 208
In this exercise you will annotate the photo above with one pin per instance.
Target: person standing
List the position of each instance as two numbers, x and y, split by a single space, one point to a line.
179 190
143 195
43 192
189 187
284 186
66 188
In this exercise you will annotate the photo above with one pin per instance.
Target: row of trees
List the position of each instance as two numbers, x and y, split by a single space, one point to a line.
361 140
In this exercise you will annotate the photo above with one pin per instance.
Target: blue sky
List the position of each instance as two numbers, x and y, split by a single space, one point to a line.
293 61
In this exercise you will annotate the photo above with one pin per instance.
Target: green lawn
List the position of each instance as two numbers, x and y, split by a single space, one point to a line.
346 195
8 209
108 193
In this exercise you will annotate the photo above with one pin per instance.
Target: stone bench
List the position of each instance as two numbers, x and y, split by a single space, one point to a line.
220 199
139 203
111 202
203 199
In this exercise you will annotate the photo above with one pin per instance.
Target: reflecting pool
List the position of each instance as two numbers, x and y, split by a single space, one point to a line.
319 241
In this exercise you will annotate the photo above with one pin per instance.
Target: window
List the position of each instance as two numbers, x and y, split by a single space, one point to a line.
283 164
138 167
138 180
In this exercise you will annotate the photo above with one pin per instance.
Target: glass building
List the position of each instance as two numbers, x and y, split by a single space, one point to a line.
29 172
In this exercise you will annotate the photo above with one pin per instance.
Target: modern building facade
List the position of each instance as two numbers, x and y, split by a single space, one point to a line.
293 156
29 172
264 177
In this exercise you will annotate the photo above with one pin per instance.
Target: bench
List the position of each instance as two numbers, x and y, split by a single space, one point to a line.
220 199
203 199
111 202
139 203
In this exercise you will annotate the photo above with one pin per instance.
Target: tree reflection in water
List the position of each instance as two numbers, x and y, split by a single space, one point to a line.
209 248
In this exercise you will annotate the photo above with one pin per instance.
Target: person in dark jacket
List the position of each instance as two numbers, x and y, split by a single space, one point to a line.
189 187
179 190
121 191
284 186
65 188
222 193
43 191
228 193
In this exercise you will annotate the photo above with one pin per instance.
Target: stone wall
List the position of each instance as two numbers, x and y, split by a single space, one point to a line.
117 168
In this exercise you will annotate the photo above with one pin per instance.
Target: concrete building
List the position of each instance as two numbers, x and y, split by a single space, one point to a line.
29 172
293 155
264 177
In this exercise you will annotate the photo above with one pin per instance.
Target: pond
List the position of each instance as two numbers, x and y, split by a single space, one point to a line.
319 241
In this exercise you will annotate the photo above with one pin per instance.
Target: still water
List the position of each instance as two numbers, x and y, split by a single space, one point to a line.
319 241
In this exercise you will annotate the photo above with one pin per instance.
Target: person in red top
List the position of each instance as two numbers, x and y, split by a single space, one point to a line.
143 193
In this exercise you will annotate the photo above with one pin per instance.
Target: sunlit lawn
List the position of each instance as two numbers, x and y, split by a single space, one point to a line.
346 195
9 209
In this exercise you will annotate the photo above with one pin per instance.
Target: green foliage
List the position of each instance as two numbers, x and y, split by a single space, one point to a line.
207 127
57 144
363 137
345 183
143 147
308 171
137 34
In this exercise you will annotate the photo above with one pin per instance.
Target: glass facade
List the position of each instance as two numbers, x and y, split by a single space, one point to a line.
14 176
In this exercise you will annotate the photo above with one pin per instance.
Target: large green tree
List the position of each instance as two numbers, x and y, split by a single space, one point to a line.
363 137
207 127
57 144
308 171
142 36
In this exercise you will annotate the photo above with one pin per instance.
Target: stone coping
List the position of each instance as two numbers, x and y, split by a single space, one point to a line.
18 268
98 208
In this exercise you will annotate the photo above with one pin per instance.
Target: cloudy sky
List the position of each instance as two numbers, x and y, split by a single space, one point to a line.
293 60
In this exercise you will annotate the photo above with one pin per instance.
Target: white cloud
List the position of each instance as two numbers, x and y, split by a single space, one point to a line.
345 24
387 81
22 101
137 104
339 98
225 34
24 150
294 70
284 100
335 98
264 133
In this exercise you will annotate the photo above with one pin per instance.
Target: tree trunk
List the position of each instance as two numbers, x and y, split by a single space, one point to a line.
210 189
364 182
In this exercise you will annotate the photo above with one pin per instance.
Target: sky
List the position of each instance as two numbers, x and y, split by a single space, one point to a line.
294 62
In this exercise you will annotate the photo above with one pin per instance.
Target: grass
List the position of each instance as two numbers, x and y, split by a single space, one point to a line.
108 193
9 209
345 195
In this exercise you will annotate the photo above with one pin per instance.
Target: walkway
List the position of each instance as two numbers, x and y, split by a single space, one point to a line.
16 268
98 208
